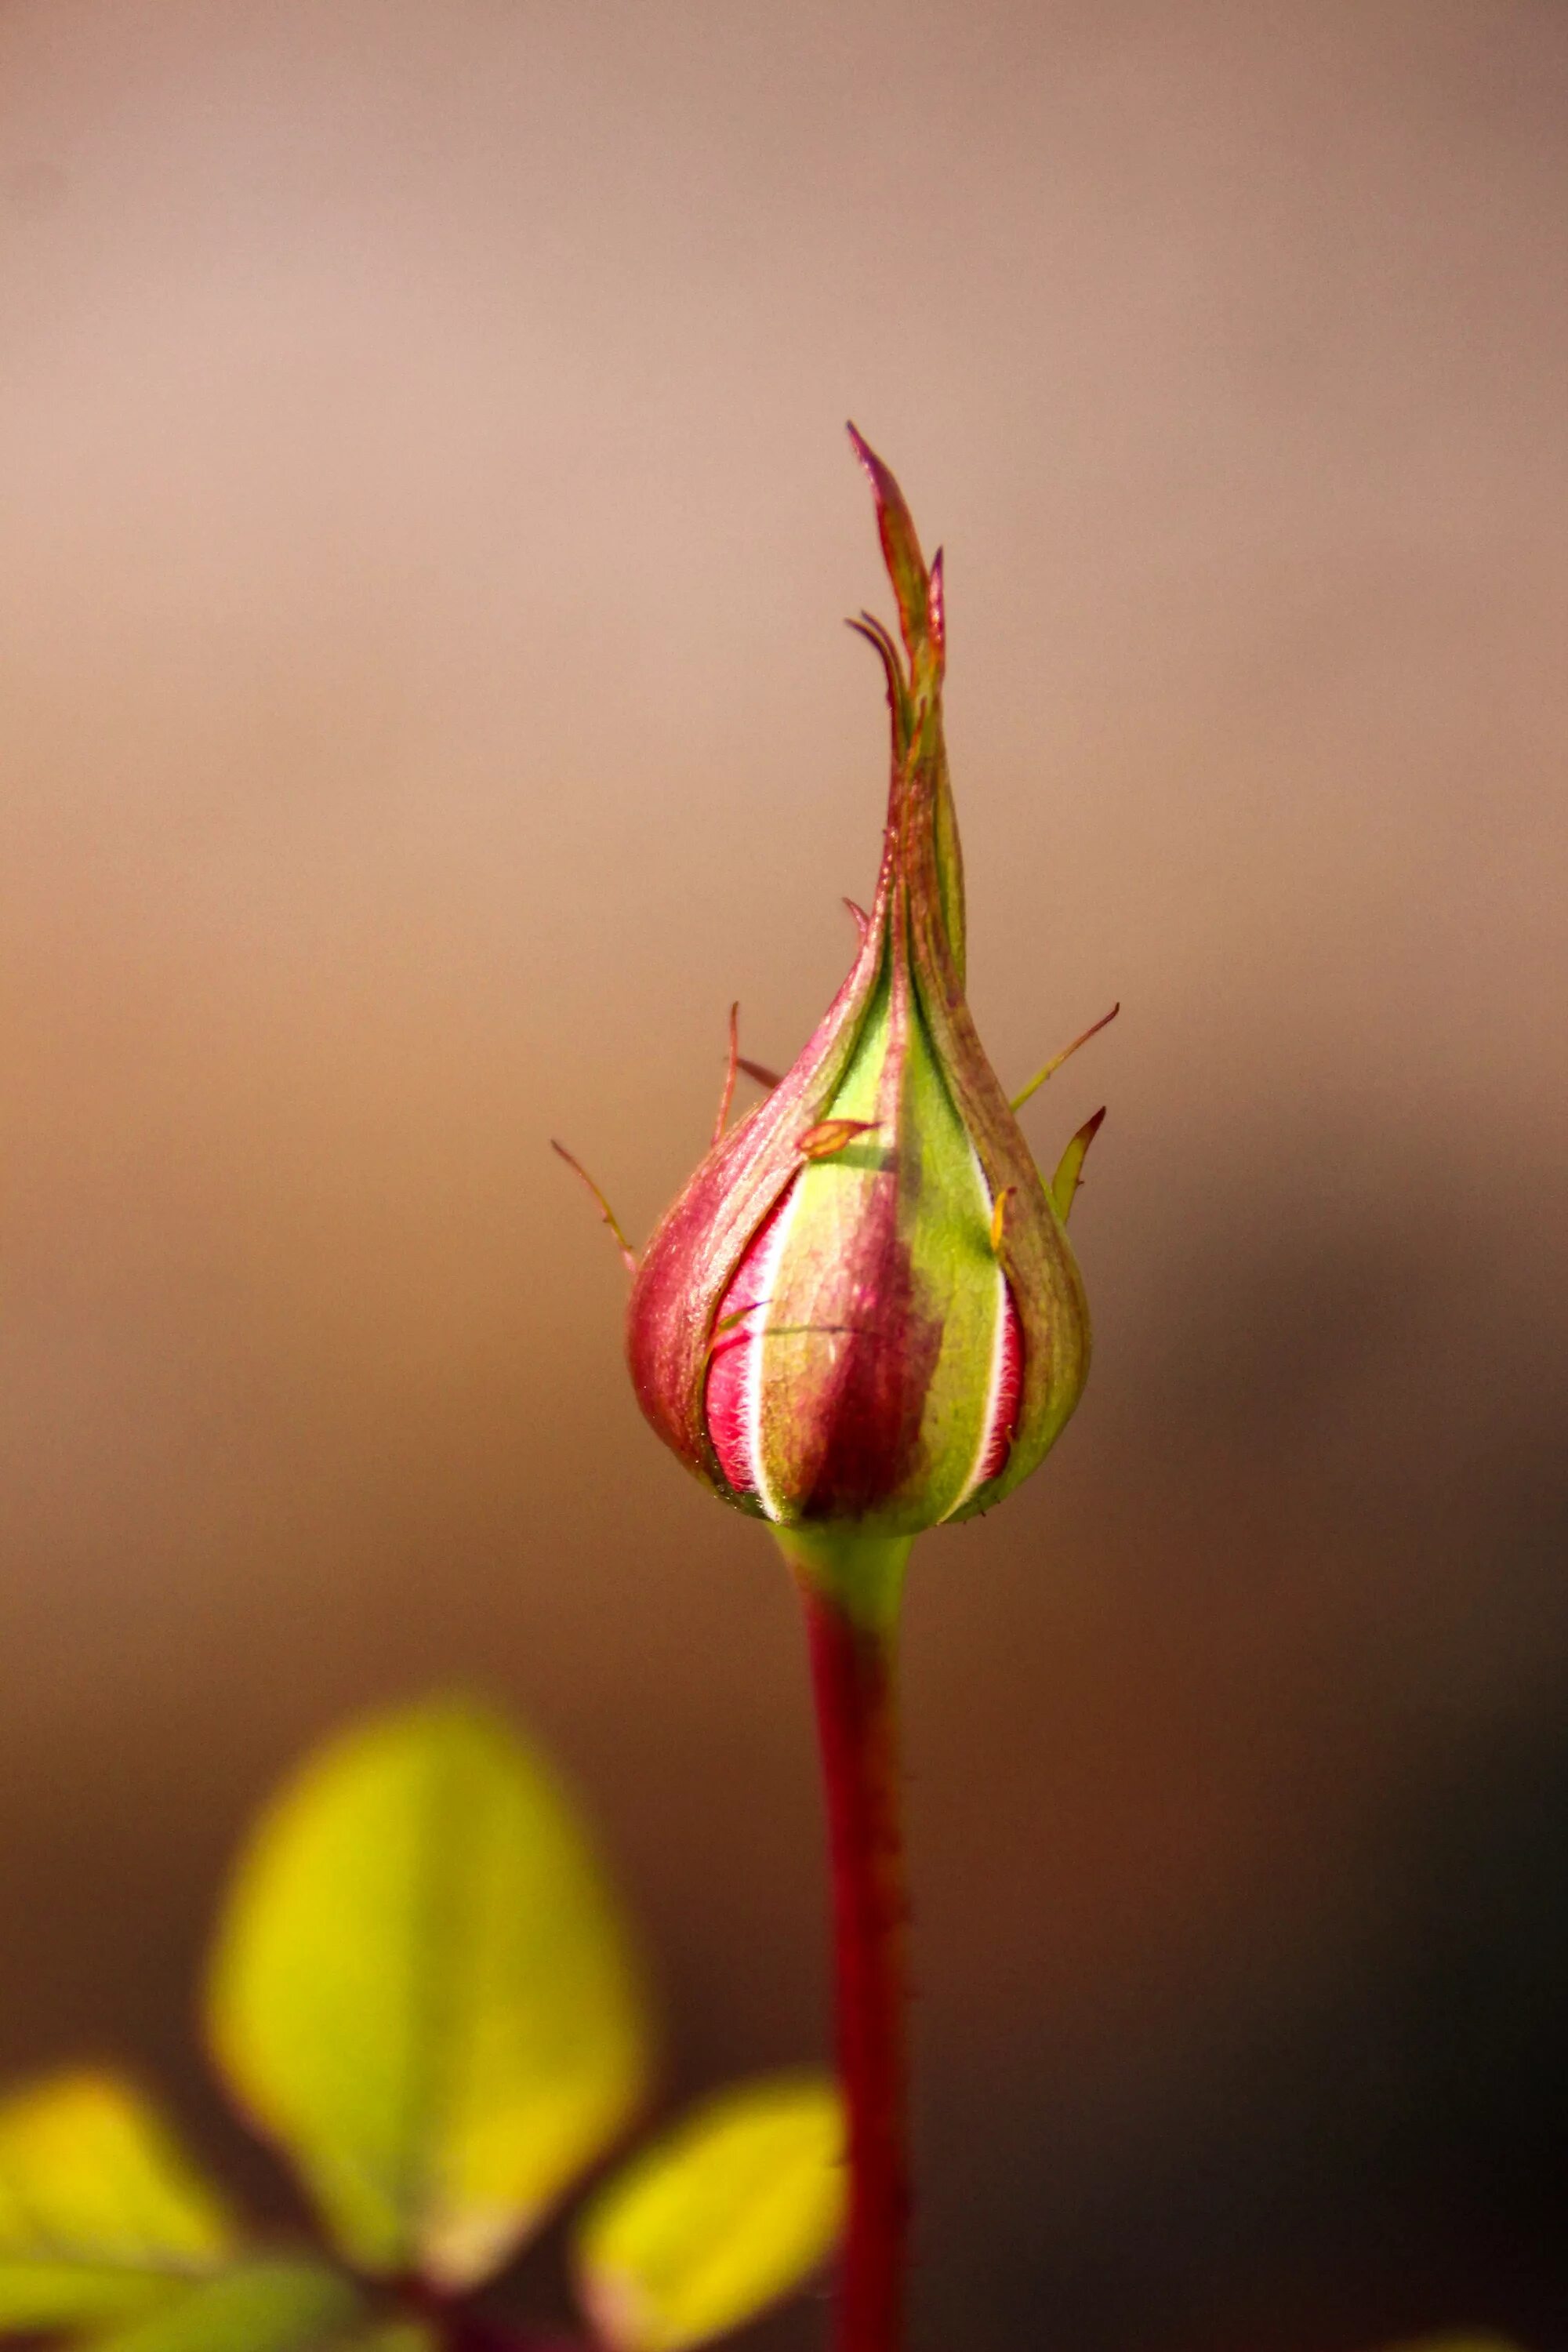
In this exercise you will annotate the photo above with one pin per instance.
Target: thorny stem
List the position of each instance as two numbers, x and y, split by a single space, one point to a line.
851 1595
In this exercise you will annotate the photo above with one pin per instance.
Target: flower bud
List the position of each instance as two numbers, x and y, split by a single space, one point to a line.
863 1310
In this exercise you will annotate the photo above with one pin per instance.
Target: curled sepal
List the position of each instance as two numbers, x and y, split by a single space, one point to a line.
920 617
1070 1168
863 1310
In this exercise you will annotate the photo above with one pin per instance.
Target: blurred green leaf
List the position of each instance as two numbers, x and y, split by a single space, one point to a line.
392 2335
263 2306
423 1990
738 2205
101 2214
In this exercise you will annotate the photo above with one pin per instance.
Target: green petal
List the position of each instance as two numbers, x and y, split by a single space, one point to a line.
266 2306
101 2213
423 1990
736 2207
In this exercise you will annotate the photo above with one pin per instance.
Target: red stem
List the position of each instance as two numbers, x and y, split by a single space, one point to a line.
853 1672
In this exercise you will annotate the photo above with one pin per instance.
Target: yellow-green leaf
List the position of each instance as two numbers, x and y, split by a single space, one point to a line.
101 2213
738 2205
263 2306
424 1990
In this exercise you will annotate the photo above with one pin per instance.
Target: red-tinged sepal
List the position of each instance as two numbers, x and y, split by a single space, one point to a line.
906 565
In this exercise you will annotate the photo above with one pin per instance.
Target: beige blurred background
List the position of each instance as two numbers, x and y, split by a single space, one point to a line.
426 519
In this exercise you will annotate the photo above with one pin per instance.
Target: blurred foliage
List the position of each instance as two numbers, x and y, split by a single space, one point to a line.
101 2214
424 1992
257 2306
730 2207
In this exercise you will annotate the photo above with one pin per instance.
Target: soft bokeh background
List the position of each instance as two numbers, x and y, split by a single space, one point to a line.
426 519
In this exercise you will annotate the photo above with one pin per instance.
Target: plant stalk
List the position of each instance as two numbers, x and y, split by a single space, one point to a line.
852 1599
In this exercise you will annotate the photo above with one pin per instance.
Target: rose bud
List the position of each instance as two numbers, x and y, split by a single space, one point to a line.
863 1312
